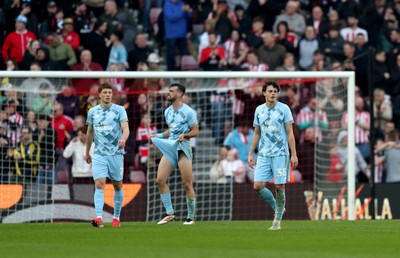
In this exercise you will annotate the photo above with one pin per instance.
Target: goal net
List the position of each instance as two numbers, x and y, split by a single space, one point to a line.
56 184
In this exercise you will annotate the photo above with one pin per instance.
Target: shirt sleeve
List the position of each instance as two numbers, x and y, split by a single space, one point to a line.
89 120
123 116
288 116
256 123
192 118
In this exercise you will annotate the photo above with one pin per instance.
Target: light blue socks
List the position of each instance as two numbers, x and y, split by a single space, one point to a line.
118 199
268 197
166 200
99 201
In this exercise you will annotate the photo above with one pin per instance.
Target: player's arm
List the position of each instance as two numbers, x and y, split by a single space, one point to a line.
89 141
292 145
194 132
254 143
125 134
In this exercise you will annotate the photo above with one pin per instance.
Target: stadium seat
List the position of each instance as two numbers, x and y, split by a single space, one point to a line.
188 63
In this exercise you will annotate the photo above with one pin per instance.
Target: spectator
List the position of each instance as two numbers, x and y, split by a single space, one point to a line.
120 19
243 20
381 78
350 32
6 153
240 139
254 36
215 175
360 164
203 38
334 21
286 38
310 116
61 52
382 111
89 101
333 45
233 168
30 55
236 50
16 42
32 24
68 34
62 125
296 21
54 20
31 122
224 19
253 64
26 156
358 64
98 43
143 132
81 20
306 154
30 86
140 53
361 44
176 15
43 58
47 141
118 53
307 47
83 85
319 63
76 148
318 22
12 120
153 84
271 52
362 121
289 63
292 98
212 58
44 101
391 148
267 9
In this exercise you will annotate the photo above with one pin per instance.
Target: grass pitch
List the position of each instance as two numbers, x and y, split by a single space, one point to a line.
205 239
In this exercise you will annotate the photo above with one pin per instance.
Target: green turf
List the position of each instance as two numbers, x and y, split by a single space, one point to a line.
205 239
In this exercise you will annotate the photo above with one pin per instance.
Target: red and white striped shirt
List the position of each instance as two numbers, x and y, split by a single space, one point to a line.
361 135
232 48
142 134
14 134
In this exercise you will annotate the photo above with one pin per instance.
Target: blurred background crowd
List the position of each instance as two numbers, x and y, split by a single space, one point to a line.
199 35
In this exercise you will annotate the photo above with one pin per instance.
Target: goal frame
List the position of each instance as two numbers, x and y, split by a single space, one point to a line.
349 75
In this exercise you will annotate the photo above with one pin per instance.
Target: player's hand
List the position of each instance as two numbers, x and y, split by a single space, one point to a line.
88 159
121 144
251 161
294 162
181 137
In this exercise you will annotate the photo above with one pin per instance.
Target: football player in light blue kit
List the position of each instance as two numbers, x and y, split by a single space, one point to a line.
273 133
108 128
177 152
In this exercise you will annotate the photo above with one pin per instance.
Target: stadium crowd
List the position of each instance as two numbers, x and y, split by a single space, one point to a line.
206 35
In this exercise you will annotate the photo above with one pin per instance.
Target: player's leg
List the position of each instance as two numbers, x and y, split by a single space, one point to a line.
263 174
164 171
100 173
186 170
281 172
116 170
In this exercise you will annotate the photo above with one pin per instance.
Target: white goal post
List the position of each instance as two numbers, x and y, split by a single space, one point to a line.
350 76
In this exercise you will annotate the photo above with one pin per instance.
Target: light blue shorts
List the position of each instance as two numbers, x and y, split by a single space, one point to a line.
170 149
108 166
269 168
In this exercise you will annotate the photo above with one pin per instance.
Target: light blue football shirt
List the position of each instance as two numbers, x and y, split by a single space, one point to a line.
107 129
179 121
272 122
